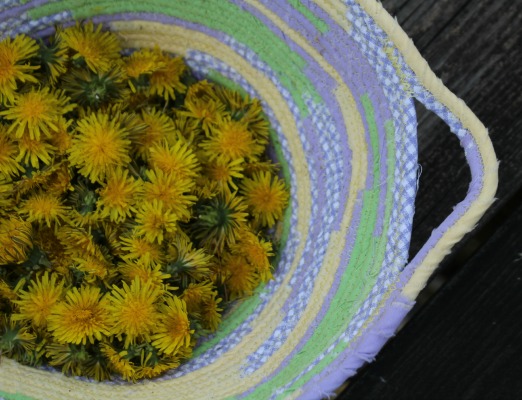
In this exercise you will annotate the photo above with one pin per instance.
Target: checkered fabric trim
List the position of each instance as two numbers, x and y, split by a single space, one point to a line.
23 24
372 41
323 214
9 4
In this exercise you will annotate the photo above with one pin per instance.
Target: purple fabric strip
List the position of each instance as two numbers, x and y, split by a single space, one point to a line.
20 9
362 351
14 11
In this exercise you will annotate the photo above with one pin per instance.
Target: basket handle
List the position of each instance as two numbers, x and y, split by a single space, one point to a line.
474 138
480 156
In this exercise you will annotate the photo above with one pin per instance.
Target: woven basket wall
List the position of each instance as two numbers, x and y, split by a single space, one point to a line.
337 79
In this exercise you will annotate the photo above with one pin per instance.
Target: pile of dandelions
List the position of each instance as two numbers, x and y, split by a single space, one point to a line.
135 203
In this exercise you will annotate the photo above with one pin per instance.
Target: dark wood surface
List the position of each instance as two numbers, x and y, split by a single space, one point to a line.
463 339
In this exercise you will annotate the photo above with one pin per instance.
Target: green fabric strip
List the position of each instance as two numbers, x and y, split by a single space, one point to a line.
226 17
380 250
359 277
13 396
319 24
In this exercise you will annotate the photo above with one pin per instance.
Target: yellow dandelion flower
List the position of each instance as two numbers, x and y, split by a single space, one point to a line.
153 221
266 196
9 293
261 166
210 313
232 99
135 248
174 330
61 137
246 110
94 90
170 191
206 188
32 151
70 357
239 276
158 127
150 366
146 273
140 65
6 292
166 80
186 127
60 179
94 267
231 140
87 220
15 240
34 180
6 195
112 234
99 146
96 367
207 112
219 220
83 316
53 58
16 338
118 362
257 251
45 239
202 90
9 166
196 294
128 121
187 263
143 61
178 160
134 310
14 54
44 208
224 172
78 242
119 195
36 112
98 49
36 303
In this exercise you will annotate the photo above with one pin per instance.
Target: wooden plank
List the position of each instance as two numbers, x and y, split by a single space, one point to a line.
465 344
434 14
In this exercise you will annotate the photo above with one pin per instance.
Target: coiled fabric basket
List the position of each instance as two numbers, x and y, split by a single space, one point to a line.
337 79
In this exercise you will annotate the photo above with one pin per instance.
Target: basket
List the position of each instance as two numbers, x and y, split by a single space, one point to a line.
337 80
